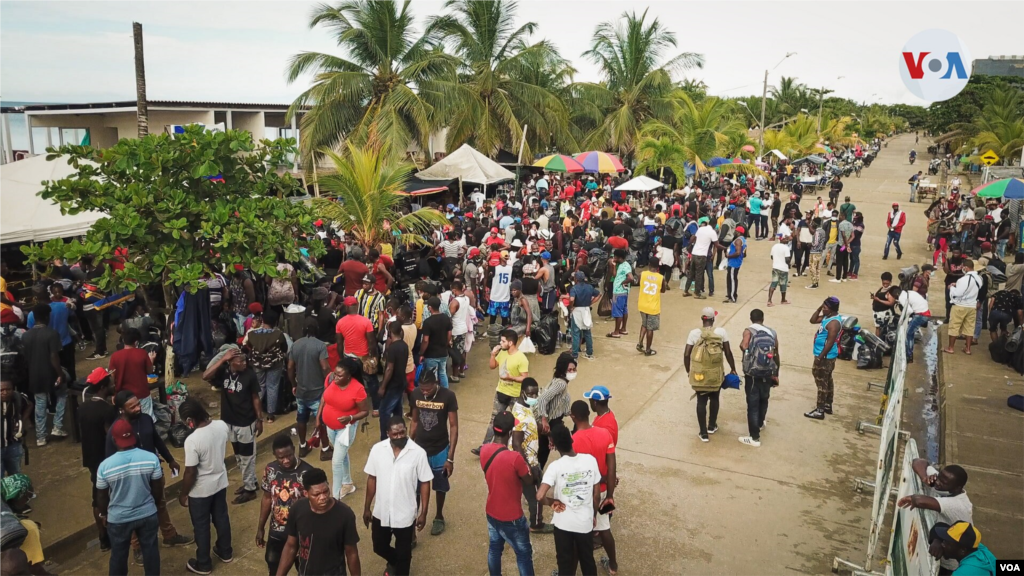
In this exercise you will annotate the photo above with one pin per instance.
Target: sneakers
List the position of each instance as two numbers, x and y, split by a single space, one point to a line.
827 409
816 414
137 557
835 280
224 560
749 441
713 429
193 566
703 437
347 489
40 442
96 356
588 356
179 540
763 424
59 433
812 287
852 277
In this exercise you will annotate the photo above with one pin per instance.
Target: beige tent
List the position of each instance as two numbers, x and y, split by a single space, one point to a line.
468 165
24 216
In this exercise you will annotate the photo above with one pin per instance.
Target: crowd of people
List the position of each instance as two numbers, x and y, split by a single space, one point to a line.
384 333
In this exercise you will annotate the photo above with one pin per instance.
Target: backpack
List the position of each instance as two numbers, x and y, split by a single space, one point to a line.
707 370
639 236
759 358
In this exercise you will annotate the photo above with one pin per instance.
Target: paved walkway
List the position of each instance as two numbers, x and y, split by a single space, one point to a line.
684 506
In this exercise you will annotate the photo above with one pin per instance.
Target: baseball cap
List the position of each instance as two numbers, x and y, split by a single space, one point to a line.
256 308
963 533
598 393
580 276
318 223
450 206
545 255
350 301
708 312
474 252
469 214
986 246
741 229
494 230
369 278
504 253
97 376
123 434
895 204
832 303
703 220
504 422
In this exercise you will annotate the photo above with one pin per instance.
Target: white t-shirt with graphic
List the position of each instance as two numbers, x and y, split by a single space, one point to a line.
572 480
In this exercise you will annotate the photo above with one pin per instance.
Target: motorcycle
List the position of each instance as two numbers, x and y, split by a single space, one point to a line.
933 167
857 169
912 158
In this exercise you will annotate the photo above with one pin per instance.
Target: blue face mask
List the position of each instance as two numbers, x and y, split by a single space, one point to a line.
531 402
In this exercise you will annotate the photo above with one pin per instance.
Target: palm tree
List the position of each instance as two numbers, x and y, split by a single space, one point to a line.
362 197
495 97
791 95
803 131
777 140
660 153
637 78
1003 138
386 90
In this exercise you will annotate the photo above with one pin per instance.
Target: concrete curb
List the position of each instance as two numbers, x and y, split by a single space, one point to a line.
81 540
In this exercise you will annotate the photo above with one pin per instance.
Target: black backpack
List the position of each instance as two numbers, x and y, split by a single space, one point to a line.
639 237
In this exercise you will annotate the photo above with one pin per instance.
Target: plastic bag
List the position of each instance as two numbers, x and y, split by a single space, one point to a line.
526 346
177 435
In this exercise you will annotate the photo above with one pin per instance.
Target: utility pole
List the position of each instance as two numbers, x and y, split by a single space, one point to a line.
764 100
142 106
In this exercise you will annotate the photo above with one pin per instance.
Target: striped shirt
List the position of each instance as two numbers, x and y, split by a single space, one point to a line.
371 303
127 475
553 402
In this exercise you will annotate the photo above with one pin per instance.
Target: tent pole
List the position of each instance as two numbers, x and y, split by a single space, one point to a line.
519 160
460 191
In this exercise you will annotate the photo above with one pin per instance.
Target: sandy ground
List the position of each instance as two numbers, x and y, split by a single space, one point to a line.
683 506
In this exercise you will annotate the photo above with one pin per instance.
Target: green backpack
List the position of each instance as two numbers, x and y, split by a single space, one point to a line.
707 366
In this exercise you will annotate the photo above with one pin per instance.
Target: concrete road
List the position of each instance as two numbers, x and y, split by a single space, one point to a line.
683 506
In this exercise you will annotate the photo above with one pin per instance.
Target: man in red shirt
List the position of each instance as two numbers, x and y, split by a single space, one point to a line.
895 221
506 474
353 271
131 367
599 397
356 337
618 242
598 442
381 266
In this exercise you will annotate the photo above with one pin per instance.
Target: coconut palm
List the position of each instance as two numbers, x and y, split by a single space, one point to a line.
777 140
804 132
1003 138
791 95
656 154
362 198
387 88
637 75
495 95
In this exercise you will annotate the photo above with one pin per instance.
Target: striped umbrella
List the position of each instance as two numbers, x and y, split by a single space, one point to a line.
1008 188
559 163
594 162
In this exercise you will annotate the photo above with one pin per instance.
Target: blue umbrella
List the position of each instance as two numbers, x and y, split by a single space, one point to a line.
717 161
689 169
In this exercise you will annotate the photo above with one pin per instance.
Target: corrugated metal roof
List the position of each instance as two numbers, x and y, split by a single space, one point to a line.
152 103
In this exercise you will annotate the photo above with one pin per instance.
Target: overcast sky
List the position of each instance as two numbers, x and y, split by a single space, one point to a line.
237 51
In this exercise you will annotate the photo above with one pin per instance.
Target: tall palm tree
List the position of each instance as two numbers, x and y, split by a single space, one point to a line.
362 197
1003 138
777 140
385 90
637 78
656 154
703 129
790 94
804 132
495 97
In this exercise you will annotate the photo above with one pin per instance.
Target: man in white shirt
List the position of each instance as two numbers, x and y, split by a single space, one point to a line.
964 296
395 470
574 484
477 197
701 260
919 316
780 255
944 494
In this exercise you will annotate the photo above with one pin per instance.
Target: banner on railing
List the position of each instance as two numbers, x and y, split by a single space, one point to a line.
908 546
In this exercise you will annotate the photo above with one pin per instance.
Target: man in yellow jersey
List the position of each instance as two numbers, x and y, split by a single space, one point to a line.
652 284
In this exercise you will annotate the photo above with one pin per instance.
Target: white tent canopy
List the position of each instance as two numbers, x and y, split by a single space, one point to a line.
468 164
780 155
640 184
24 216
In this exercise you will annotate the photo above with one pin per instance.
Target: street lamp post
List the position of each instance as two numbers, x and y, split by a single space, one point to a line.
764 100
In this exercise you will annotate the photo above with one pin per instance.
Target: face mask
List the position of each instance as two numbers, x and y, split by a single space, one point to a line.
531 402
400 443
570 376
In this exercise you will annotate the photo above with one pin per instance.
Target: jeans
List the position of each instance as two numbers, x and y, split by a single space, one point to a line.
341 470
710 269
270 386
913 192
578 334
10 459
371 384
1001 248
893 238
273 554
732 282
99 332
398 556
702 416
146 405
440 365
391 405
517 534
981 318
58 419
916 322
758 390
501 403
855 259
202 511
573 547
120 534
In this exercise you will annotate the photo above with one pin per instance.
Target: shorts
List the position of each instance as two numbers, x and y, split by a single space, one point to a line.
604 521
780 278
410 379
305 409
650 321
498 309
437 462
620 305
548 300
962 320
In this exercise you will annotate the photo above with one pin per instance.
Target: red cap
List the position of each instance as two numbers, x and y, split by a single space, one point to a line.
469 214
474 252
256 308
318 223
96 376
494 230
351 301
122 434
239 267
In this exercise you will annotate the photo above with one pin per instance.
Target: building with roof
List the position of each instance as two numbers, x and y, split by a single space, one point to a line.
1000 66
104 123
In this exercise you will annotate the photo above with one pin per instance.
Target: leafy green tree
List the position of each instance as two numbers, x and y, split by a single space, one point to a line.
363 198
178 221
